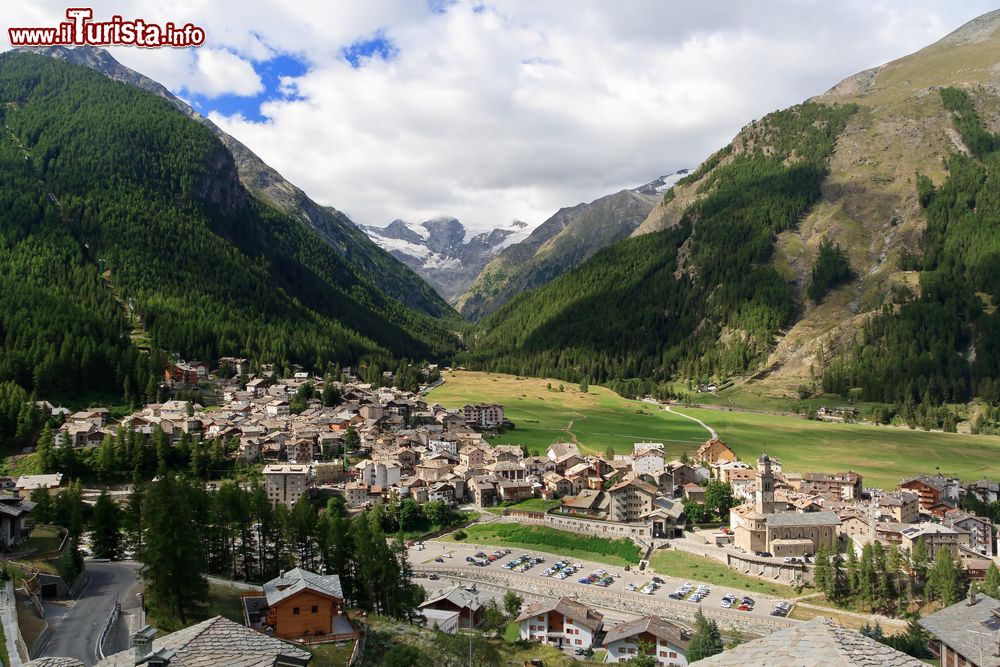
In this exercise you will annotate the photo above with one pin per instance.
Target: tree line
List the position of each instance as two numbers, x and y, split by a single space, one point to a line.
182 532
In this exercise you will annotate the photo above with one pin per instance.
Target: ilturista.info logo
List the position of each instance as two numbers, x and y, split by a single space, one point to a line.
81 30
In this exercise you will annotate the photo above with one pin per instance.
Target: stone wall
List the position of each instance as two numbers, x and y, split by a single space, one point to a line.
788 573
612 530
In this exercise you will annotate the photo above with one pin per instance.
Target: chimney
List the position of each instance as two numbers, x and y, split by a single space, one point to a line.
142 642
972 594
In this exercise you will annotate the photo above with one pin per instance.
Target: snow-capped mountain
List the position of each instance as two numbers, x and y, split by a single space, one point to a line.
442 251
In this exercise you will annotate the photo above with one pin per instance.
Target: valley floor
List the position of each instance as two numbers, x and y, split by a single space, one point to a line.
600 419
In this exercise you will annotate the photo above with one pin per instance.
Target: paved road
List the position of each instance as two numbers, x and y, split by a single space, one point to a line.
532 580
77 624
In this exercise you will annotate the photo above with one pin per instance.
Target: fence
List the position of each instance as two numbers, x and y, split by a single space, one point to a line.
106 630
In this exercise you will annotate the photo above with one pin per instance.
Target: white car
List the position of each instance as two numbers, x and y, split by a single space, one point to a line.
630 587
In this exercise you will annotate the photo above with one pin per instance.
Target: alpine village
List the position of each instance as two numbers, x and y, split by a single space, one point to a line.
747 414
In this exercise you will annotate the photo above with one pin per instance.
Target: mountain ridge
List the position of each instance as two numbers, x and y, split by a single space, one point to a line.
442 251
564 240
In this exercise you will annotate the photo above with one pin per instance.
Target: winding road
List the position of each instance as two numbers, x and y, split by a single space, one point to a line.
76 625
705 426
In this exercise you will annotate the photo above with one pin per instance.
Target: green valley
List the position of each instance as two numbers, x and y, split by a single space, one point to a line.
600 419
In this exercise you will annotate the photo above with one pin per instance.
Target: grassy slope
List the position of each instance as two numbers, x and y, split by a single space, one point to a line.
698 568
595 420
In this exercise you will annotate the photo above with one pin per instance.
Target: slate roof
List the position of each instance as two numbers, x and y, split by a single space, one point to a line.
957 625
803 519
297 580
459 596
818 643
660 628
215 642
54 662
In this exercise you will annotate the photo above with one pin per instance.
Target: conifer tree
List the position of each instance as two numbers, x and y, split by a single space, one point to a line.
105 527
706 640
172 550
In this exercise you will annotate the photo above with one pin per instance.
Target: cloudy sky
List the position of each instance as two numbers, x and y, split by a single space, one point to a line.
506 110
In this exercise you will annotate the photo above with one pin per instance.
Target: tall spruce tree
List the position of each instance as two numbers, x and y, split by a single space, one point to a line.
105 528
172 550
706 640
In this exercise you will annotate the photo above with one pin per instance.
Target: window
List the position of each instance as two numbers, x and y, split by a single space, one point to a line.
315 609
295 611
578 642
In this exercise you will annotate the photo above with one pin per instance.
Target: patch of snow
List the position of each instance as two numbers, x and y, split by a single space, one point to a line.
440 262
405 247
418 229
522 230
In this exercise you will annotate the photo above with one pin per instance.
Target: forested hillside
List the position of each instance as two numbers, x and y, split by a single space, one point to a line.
942 345
333 227
699 297
109 195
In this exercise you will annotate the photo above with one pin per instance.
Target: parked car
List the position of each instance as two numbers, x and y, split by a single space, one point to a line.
433 577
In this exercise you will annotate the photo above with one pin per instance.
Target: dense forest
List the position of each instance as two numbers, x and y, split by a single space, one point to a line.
943 345
694 300
124 227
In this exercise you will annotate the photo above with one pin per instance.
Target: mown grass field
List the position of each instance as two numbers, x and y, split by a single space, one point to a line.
883 455
596 420
528 505
599 418
550 540
685 565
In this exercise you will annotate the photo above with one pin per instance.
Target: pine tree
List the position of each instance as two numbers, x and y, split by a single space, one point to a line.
105 528
172 551
46 450
920 560
944 582
823 572
70 563
706 640
991 584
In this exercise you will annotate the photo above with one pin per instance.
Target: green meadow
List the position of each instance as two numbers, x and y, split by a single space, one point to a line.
600 418
594 420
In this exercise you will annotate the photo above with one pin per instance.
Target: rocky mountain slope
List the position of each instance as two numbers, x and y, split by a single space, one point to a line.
442 252
560 243
333 226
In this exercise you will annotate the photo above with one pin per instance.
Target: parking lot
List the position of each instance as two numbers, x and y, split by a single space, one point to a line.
640 585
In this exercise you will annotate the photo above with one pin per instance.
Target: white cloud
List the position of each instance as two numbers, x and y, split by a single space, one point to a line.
523 107
219 72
